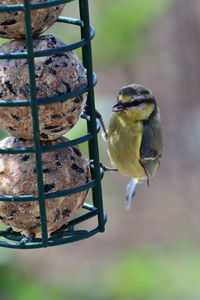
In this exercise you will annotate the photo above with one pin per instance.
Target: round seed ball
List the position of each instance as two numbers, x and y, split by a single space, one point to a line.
62 169
57 74
12 24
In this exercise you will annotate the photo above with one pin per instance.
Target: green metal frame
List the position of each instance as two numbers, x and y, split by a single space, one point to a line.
68 232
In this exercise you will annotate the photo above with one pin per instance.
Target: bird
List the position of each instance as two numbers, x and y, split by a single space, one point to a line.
135 136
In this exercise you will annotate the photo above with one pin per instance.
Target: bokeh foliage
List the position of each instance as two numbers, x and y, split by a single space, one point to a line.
147 274
121 27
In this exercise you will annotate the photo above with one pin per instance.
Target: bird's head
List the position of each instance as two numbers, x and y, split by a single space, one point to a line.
136 101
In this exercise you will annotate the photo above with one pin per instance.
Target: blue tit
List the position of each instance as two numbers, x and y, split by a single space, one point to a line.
135 138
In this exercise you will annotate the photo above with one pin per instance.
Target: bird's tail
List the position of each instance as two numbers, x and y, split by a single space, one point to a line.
130 191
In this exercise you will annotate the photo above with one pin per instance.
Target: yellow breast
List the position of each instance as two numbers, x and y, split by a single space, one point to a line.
124 140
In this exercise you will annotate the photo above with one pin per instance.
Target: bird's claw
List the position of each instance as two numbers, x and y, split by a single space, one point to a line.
99 117
104 168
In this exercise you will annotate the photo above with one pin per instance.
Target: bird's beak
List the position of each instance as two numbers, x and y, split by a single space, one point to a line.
118 106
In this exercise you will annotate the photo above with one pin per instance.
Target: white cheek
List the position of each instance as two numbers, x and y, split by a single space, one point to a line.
136 108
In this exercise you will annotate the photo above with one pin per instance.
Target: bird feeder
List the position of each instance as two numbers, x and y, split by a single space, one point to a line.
73 230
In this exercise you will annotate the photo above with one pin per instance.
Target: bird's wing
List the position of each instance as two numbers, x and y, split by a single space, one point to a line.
150 167
151 147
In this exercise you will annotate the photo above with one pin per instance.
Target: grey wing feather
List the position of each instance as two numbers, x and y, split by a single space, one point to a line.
151 146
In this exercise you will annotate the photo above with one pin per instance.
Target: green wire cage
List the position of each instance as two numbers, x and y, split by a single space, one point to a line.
69 232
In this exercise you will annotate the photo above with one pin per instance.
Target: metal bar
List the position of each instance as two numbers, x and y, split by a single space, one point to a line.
21 198
36 131
65 229
51 148
50 3
69 20
93 144
12 7
63 193
26 244
33 6
48 52
55 242
42 101
75 190
58 146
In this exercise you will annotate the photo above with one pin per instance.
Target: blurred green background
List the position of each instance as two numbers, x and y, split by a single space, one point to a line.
152 251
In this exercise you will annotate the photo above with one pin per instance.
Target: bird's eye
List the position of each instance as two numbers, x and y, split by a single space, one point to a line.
136 102
138 99
133 103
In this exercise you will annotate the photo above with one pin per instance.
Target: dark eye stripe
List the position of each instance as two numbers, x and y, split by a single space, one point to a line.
138 102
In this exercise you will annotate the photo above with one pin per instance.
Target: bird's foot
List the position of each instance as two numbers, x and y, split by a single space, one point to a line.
99 117
104 168
107 169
